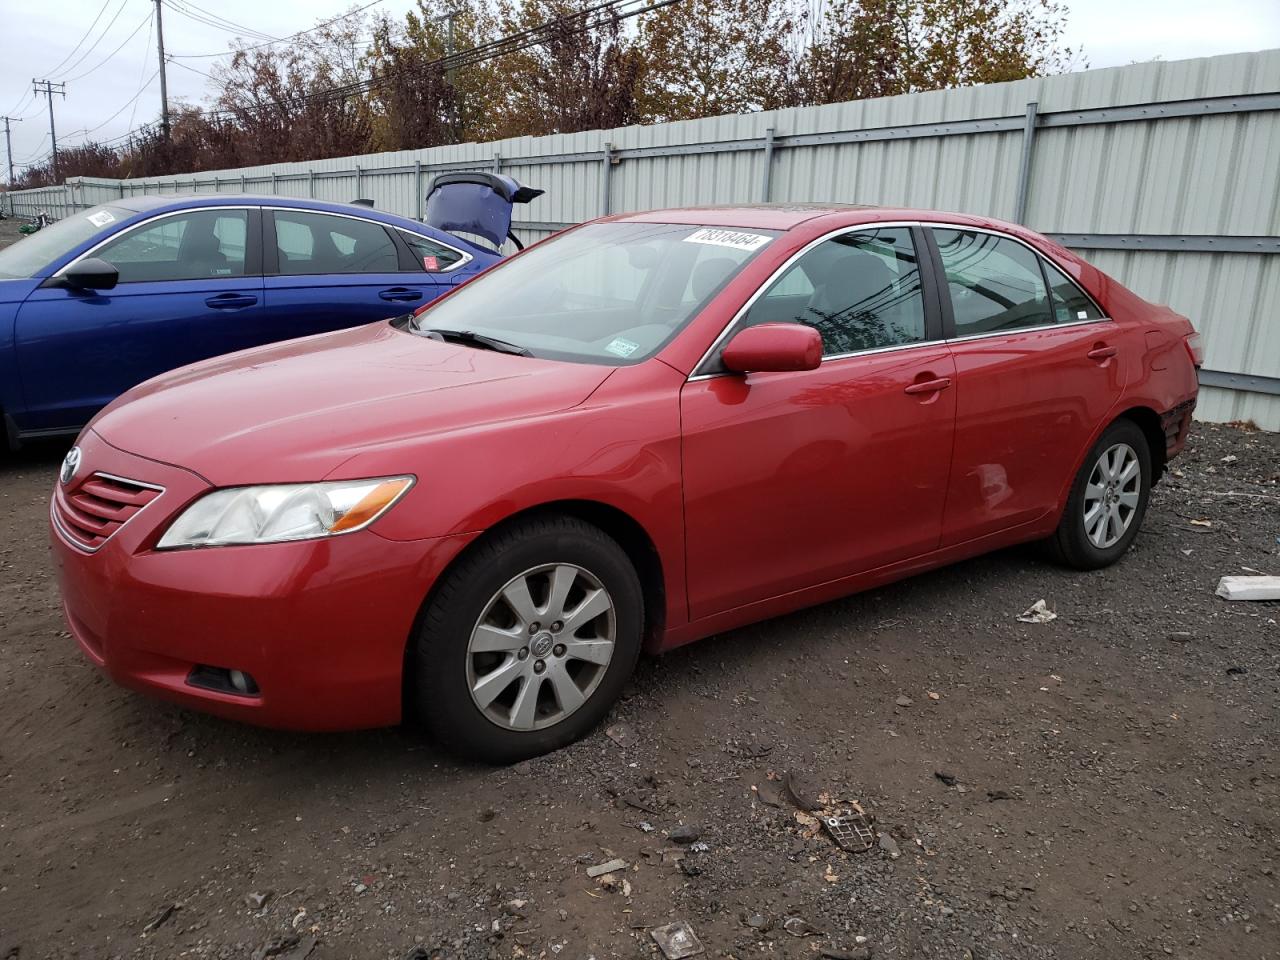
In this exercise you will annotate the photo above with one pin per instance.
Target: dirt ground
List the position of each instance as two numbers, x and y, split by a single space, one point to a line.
1103 785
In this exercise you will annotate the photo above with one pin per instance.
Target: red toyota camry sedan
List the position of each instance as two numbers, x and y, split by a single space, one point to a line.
642 431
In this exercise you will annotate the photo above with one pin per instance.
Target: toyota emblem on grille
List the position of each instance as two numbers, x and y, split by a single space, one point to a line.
70 464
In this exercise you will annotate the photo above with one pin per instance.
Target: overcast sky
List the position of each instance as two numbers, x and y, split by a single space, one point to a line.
38 39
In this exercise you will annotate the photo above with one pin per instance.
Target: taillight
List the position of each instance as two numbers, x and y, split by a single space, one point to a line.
1196 348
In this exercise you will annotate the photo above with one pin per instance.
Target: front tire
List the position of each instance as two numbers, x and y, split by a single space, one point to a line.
1108 500
528 640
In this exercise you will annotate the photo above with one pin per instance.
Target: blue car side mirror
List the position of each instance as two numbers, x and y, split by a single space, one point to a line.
92 274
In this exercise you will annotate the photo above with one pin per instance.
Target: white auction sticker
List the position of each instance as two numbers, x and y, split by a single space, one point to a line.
728 238
621 347
101 218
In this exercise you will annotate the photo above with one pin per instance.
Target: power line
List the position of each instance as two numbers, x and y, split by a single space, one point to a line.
142 23
63 71
218 23
292 36
592 17
105 4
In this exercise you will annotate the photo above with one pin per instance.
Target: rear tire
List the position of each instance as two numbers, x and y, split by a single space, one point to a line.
527 641
1108 500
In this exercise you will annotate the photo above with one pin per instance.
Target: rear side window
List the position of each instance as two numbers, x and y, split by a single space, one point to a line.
201 245
861 291
433 257
1070 303
313 243
995 283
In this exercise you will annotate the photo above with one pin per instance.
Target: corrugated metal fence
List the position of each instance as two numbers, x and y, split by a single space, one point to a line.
1166 175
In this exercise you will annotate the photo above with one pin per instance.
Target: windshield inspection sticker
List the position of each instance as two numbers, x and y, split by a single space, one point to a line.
101 218
728 238
622 348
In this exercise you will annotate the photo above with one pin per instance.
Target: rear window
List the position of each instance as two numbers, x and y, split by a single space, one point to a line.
32 254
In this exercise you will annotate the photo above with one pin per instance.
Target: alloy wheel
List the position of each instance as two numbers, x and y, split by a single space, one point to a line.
1111 496
541 646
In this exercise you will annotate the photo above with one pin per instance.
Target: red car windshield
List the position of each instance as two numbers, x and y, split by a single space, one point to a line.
604 293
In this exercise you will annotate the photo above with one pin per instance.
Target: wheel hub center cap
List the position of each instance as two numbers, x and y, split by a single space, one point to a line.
541 644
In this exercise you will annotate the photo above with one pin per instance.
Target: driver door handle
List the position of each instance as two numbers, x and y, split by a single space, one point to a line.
928 386
1103 352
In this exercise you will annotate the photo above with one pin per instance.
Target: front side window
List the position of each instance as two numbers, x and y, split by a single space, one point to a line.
434 257
201 245
308 244
45 247
603 293
861 291
995 283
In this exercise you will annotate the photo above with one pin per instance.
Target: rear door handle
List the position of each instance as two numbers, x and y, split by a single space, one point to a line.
929 386
400 294
231 301
1103 353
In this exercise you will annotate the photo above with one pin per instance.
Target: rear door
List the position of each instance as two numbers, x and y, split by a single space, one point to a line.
1036 374
329 271
190 288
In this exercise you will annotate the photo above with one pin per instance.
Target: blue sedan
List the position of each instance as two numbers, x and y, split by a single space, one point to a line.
114 295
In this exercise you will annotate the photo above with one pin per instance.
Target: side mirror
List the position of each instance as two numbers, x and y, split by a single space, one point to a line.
770 347
92 274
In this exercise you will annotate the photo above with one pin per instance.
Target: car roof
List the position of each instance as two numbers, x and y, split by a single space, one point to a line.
787 216
150 203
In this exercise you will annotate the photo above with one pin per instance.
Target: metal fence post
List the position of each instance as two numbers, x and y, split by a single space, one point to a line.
767 180
311 183
605 180
273 183
417 185
1024 171
359 178
242 188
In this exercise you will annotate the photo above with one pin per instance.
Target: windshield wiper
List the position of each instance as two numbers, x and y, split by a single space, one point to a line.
473 339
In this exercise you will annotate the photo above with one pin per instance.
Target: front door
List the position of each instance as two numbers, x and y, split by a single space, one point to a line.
1036 374
794 479
189 289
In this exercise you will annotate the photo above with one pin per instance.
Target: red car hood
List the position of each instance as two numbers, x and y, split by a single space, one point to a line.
295 411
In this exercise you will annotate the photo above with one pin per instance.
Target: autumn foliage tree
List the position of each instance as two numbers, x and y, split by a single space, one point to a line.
363 83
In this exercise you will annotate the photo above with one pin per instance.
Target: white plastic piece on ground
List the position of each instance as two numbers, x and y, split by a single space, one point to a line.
1249 588
1038 612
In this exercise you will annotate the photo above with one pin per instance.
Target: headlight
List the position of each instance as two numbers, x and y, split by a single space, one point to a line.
283 511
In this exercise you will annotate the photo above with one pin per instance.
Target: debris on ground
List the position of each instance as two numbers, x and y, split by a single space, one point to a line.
799 927
948 778
857 953
623 734
600 869
685 833
258 900
1038 612
850 830
165 913
676 940
802 793
890 846
904 701
1249 588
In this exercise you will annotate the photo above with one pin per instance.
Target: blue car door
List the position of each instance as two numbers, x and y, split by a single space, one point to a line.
326 271
190 287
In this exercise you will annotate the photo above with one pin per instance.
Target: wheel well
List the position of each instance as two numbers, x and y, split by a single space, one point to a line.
618 524
635 542
1148 421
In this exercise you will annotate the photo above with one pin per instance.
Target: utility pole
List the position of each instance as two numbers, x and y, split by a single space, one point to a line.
164 86
8 144
49 89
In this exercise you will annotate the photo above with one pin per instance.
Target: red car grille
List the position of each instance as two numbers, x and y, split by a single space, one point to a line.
90 513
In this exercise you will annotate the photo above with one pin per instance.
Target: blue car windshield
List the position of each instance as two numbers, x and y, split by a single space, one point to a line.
605 293
30 255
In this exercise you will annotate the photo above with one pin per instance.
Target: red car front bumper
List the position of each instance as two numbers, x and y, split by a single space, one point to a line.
321 626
